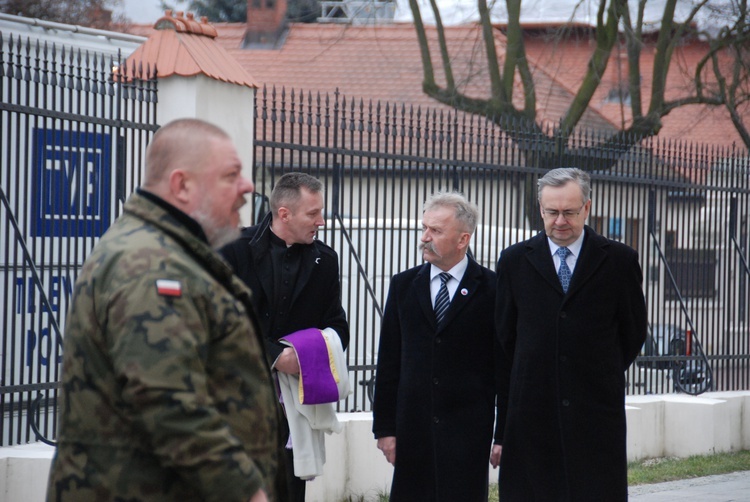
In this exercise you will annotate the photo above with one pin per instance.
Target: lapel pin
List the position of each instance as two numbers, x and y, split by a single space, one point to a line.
464 291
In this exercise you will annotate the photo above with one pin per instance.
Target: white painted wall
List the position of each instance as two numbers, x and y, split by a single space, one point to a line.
229 106
658 426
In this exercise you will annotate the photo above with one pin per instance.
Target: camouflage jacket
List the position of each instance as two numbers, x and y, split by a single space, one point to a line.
166 392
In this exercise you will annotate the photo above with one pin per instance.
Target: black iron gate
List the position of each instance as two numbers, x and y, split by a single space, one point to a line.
74 127
684 208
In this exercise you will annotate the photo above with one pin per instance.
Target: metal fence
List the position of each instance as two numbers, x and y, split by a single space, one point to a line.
74 126
685 208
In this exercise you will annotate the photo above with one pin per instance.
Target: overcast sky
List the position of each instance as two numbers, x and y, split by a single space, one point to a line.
140 11
462 11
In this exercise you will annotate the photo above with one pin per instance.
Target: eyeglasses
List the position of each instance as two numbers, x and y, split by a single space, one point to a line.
568 214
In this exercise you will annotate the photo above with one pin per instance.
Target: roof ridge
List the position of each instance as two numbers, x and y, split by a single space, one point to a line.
182 23
184 47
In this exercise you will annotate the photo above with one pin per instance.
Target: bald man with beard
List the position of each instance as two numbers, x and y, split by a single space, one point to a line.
166 393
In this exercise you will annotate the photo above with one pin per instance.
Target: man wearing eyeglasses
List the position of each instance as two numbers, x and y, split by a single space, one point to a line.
570 319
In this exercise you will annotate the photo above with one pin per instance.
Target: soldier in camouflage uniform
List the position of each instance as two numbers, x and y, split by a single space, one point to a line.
166 393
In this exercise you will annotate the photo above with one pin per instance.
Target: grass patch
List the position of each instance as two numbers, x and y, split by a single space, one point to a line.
655 470
659 470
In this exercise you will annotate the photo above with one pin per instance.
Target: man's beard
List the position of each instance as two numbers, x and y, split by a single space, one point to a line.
217 235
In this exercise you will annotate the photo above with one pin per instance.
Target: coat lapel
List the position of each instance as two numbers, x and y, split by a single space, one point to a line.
262 267
310 259
538 253
592 256
466 290
421 291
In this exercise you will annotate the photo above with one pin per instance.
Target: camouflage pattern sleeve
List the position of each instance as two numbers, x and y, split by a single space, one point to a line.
160 352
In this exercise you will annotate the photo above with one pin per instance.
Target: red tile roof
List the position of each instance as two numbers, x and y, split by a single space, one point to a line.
381 62
181 46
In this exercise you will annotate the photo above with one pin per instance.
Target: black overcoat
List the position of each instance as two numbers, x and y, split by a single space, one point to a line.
564 434
316 300
435 390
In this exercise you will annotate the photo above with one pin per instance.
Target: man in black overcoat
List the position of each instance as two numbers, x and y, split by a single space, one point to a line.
293 276
434 402
569 328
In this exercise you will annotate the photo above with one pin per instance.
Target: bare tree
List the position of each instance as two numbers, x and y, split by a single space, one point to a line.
614 24
518 117
728 62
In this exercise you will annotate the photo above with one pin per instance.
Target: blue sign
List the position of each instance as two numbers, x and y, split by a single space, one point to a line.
71 183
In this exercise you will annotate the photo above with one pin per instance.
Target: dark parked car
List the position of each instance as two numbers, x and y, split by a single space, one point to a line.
673 349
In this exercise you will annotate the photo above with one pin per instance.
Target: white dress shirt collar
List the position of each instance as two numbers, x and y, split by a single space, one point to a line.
457 272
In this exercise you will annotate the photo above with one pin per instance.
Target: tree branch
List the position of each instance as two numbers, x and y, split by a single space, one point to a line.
634 45
488 35
606 35
428 72
449 82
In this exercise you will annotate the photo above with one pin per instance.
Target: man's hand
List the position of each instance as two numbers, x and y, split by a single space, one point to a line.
287 362
497 451
388 446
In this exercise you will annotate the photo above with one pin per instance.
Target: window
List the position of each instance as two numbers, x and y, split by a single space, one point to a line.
694 272
620 229
619 94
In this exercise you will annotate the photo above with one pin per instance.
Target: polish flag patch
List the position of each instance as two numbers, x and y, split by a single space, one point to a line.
167 287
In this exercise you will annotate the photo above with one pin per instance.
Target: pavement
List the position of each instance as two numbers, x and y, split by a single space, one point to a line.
733 487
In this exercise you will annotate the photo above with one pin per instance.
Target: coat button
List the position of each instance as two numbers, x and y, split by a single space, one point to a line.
563 358
438 340
565 402
435 381
436 420
563 315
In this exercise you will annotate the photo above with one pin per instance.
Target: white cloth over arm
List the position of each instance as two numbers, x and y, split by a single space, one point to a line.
309 422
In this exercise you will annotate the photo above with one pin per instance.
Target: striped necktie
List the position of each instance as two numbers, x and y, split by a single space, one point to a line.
442 300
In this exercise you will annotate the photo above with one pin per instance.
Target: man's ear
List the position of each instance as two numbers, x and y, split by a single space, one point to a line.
284 214
464 239
179 185
587 207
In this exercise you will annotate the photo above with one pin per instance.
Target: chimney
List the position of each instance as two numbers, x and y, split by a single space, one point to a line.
266 23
